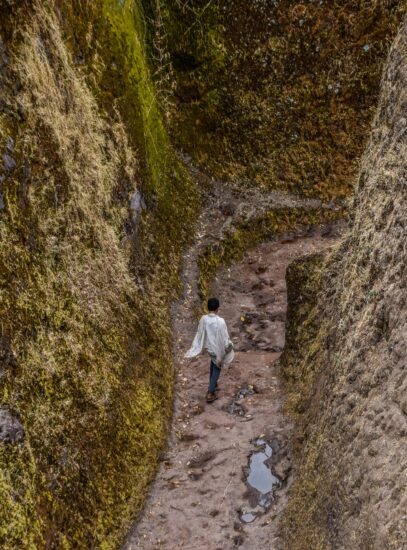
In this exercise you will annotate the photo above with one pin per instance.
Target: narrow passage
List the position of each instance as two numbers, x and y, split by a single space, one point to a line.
207 494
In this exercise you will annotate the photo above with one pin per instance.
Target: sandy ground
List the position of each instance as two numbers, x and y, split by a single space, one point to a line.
201 491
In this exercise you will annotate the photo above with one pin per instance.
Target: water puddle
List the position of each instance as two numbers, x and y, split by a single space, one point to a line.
247 517
260 480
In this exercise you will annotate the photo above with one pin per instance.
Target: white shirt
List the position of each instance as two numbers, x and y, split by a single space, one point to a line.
212 336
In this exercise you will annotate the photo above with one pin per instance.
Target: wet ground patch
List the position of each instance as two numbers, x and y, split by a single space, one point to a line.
261 481
246 390
236 407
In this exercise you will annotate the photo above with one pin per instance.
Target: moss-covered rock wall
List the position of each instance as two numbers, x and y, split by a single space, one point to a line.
95 210
90 243
345 357
281 93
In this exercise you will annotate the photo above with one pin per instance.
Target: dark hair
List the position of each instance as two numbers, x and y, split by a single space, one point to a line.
213 304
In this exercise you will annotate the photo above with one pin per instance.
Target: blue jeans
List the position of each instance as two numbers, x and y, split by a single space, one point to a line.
213 377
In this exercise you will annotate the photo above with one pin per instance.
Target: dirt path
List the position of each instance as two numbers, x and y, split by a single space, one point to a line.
201 498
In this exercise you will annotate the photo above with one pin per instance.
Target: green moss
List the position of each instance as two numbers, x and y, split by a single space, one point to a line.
127 37
290 104
20 526
84 300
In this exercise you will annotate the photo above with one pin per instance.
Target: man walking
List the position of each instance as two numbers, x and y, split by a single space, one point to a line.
212 336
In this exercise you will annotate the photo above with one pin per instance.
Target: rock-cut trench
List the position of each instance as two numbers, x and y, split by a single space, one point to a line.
225 476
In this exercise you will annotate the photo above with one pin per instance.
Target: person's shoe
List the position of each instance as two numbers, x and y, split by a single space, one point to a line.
211 397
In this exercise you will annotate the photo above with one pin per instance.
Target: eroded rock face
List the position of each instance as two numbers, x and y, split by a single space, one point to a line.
11 429
346 355
283 91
